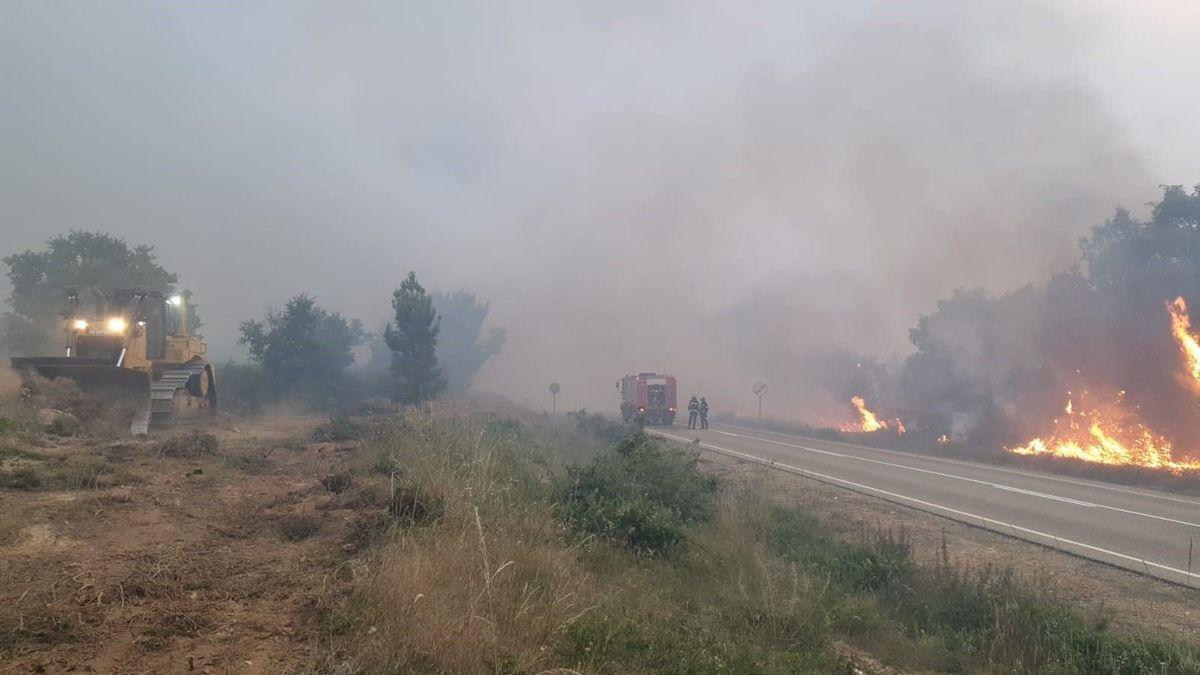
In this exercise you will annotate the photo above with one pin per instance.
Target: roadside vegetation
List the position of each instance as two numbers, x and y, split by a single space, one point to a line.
472 541
552 548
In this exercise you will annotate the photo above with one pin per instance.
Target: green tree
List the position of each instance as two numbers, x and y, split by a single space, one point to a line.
413 340
462 348
304 350
87 261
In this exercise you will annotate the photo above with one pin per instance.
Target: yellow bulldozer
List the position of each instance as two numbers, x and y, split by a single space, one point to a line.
134 344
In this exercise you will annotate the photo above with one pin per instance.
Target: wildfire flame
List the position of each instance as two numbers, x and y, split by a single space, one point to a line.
1181 328
1109 437
1113 434
868 421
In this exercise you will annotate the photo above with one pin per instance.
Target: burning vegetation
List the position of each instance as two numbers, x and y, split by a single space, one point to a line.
869 422
1181 330
1087 367
1111 434
1115 434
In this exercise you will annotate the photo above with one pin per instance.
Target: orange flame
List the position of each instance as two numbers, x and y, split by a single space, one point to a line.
1181 328
1112 437
867 421
1116 435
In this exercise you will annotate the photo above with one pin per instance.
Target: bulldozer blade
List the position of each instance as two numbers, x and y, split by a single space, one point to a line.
92 375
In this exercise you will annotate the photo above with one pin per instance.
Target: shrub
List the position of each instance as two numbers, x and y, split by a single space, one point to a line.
641 495
190 445
884 562
242 386
8 426
600 427
338 483
338 428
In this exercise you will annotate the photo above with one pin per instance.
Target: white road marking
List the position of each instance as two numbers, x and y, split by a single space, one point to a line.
930 505
962 478
1043 495
988 467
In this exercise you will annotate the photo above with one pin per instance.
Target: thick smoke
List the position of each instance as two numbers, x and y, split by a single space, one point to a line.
727 195
817 209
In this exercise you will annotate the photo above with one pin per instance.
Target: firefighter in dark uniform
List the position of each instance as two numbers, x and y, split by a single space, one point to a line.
703 413
693 411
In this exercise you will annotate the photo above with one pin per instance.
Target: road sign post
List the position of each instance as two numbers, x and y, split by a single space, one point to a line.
760 388
554 389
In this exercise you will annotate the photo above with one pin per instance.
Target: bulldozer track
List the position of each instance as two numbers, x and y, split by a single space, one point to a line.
159 408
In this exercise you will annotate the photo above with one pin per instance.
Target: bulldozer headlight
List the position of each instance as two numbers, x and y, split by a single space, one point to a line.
79 324
117 325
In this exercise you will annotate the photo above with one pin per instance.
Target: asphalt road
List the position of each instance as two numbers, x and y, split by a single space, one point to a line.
1143 530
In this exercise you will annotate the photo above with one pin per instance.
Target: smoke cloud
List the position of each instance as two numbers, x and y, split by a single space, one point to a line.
728 195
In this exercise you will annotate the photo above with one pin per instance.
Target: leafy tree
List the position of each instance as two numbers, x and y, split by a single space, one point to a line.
413 340
83 260
462 348
303 350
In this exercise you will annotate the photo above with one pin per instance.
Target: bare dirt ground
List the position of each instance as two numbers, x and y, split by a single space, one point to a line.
218 563
1124 600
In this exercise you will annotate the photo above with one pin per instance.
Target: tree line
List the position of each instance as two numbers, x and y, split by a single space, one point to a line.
432 343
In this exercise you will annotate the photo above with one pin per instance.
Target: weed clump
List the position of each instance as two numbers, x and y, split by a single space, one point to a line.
190 445
20 478
338 428
413 506
642 495
252 464
8 426
338 483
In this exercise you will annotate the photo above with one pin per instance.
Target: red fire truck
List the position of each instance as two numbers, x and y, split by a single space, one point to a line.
648 396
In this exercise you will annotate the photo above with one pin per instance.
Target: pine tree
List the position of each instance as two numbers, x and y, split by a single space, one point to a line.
413 341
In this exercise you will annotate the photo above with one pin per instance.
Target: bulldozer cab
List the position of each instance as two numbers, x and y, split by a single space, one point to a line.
126 328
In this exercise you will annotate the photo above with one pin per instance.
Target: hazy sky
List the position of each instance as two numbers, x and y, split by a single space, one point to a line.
719 189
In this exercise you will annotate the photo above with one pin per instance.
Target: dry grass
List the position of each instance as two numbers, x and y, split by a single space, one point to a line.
191 444
466 597
485 586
